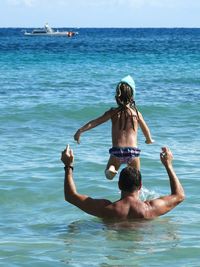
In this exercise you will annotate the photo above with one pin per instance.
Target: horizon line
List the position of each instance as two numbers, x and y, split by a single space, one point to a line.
107 27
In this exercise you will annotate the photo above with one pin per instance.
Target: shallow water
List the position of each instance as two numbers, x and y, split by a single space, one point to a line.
49 87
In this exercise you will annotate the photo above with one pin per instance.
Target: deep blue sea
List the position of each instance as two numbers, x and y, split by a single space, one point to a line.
49 87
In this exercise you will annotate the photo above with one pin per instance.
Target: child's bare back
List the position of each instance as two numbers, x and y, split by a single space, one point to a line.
124 128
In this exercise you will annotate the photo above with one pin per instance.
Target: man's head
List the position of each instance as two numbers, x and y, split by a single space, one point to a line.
130 180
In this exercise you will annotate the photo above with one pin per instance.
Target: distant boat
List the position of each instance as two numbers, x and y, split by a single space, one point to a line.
48 31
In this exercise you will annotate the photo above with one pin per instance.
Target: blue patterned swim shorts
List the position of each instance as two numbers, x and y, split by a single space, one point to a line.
125 154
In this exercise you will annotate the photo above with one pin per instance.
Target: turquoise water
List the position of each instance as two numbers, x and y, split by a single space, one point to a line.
49 87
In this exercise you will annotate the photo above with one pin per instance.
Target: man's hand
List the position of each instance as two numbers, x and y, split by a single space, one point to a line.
166 156
77 136
67 156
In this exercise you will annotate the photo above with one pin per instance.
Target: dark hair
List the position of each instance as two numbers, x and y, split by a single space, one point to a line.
124 96
130 179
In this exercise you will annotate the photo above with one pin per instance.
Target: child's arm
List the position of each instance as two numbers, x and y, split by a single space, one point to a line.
145 129
91 124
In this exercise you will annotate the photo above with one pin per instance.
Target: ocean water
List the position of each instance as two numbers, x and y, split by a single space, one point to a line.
49 87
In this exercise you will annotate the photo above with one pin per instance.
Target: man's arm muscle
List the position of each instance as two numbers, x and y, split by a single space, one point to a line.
95 207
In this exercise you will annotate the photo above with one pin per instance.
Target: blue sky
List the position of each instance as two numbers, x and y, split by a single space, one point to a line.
100 13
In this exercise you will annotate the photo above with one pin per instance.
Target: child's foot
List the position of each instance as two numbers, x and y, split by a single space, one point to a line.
110 173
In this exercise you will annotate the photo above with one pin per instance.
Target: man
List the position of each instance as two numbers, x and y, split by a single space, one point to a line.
129 206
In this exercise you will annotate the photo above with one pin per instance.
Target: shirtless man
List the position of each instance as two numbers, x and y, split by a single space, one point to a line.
125 121
129 206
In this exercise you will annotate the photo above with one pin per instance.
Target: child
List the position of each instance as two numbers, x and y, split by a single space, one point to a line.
125 121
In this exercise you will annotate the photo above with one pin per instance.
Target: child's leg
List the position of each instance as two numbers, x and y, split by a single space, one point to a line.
135 163
112 167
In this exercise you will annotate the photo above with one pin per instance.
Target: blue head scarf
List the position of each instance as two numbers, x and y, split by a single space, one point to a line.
129 80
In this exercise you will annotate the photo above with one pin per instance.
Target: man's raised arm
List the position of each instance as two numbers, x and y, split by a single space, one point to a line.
164 204
89 205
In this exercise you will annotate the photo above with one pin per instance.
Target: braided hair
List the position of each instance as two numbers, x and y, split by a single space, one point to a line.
124 97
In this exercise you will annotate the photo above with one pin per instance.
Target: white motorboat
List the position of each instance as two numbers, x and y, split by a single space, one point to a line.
48 31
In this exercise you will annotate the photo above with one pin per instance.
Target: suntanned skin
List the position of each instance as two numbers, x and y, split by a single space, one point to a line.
120 137
129 206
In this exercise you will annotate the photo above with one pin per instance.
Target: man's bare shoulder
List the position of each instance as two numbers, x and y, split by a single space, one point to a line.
159 206
129 209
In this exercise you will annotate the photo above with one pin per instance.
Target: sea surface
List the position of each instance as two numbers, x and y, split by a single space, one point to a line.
49 87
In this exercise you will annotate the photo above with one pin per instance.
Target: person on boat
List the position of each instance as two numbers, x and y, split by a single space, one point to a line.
48 28
125 120
129 206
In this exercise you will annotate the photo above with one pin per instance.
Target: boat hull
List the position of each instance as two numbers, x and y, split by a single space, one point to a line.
68 34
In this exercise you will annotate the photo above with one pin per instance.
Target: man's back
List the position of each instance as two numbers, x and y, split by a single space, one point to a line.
129 207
